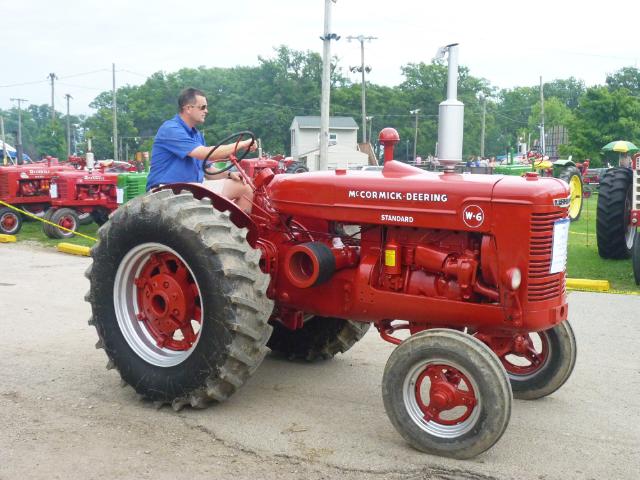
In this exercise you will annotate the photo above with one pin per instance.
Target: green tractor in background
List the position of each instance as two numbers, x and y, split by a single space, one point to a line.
564 169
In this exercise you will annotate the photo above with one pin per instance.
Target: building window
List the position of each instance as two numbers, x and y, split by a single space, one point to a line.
333 138
293 138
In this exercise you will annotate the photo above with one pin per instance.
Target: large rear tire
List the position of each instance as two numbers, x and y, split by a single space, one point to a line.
100 215
178 299
571 175
319 338
85 219
615 236
447 393
296 167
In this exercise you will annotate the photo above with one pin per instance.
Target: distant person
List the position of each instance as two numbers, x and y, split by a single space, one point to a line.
179 150
625 160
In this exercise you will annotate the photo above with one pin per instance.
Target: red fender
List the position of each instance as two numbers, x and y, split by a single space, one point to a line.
239 218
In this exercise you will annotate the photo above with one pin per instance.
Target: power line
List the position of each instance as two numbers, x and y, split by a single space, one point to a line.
23 84
44 81
81 86
85 73
133 73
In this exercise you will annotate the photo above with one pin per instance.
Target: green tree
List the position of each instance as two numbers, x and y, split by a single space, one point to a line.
627 77
512 111
51 140
601 117
568 91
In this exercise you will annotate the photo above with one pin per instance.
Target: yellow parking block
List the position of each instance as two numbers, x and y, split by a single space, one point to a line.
586 284
7 238
74 249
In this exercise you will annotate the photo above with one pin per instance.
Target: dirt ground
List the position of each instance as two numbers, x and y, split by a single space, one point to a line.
63 415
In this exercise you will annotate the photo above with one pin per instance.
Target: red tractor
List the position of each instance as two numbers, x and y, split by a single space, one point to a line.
277 164
77 192
464 273
26 187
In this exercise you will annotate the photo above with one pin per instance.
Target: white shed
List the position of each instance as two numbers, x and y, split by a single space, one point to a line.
343 142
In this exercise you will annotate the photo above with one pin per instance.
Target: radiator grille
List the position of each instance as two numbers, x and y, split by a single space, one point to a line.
134 187
63 189
4 187
543 285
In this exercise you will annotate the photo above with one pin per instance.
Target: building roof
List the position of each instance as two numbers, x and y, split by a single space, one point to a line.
347 123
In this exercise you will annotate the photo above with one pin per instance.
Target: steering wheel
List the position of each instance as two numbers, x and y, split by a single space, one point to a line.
234 159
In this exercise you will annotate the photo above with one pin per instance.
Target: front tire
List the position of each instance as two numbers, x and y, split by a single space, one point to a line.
10 221
538 363
615 236
178 299
319 338
446 393
64 217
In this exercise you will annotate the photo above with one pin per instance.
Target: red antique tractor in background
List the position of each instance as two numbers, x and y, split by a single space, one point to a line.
464 273
78 192
277 164
26 186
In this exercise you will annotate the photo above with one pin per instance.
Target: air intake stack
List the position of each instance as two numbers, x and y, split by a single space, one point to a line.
451 115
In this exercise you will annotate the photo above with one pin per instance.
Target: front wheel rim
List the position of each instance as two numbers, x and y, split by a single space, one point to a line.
441 398
630 229
9 222
526 355
575 192
158 304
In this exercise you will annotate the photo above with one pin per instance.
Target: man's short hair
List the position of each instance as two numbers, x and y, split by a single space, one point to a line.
188 97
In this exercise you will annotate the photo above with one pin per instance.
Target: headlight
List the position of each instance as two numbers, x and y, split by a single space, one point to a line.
513 278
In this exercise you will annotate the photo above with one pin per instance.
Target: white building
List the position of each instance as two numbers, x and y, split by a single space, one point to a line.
343 143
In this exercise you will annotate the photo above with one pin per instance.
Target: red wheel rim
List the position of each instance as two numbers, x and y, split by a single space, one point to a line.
451 397
523 356
68 222
8 222
169 300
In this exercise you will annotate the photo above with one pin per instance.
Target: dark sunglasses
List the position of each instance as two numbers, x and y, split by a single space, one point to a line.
200 107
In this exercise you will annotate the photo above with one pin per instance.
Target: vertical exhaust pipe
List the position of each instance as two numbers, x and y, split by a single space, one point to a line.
450 115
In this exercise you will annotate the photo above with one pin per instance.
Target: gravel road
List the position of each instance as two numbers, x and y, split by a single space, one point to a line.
64 416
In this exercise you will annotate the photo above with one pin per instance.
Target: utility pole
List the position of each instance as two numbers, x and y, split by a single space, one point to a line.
4 145
484 116
362 69
370 123
115 118
68 97
326 85
19 143
53 78
542 142
415 136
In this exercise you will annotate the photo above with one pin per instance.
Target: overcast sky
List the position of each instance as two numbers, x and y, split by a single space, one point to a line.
78 40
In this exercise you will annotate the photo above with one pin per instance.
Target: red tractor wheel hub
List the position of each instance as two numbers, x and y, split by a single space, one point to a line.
445 395
67 222
168 299
518 354
8 222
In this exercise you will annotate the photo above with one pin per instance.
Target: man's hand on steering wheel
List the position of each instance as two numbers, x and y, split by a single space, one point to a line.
242 146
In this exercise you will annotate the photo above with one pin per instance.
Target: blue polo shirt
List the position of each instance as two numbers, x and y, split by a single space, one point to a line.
170 162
